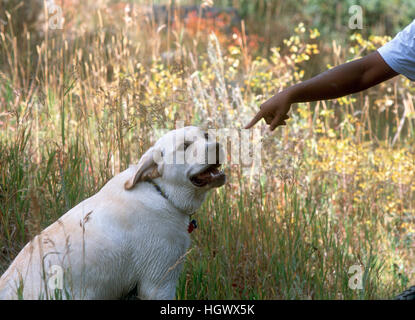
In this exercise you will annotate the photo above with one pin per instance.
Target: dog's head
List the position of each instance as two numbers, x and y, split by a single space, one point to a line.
185 164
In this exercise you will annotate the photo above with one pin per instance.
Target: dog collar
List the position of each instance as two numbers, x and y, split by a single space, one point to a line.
155 185
192 224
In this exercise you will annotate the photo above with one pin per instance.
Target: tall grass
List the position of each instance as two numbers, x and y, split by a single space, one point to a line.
335 187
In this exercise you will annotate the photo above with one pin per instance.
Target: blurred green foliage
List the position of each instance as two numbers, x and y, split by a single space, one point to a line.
382 17
379 16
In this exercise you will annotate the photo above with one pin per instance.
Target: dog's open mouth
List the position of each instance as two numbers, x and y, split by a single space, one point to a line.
211 175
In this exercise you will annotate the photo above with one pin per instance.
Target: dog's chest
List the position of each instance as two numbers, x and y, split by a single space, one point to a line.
159 246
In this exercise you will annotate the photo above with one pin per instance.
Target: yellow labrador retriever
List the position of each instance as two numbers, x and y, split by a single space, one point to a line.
133 233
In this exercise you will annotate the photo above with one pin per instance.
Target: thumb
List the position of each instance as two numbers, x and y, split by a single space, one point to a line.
257 117
275 122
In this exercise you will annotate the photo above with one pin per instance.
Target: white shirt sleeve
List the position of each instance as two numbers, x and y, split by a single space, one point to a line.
399 53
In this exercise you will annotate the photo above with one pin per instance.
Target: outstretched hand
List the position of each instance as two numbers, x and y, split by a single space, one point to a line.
337 82
273 111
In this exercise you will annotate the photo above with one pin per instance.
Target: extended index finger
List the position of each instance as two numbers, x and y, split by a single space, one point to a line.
257 117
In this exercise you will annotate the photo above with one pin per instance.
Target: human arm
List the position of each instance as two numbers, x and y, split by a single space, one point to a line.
337 82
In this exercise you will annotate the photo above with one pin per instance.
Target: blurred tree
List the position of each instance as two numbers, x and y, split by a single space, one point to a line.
22 14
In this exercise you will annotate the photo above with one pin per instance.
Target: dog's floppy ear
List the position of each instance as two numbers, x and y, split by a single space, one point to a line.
147 169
